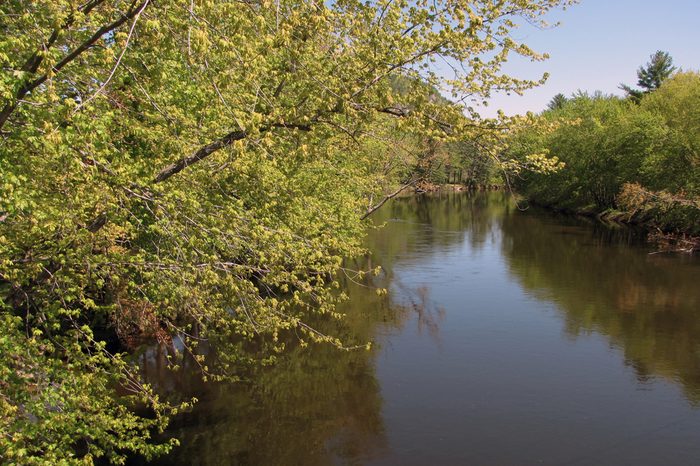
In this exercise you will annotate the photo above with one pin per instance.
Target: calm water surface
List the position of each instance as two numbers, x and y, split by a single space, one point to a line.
506 338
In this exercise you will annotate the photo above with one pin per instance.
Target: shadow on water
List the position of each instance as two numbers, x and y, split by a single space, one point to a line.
317 405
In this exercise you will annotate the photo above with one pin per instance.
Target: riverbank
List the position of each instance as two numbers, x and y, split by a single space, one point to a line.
672 223
427 187
619 160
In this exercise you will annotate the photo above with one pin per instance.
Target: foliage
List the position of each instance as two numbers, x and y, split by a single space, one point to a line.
676 165
652 75
477 168
557 102
659 68
52 412
607 143
196 171
664 210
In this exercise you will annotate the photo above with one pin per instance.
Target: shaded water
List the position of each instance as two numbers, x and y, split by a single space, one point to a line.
507 338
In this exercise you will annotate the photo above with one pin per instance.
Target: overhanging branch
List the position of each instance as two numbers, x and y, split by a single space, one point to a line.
388 197
28 87
202 153
212 147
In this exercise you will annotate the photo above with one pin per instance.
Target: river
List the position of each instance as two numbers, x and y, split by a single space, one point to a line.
507 337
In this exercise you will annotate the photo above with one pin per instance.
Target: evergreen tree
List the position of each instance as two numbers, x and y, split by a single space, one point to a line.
557 102
659 68
650 76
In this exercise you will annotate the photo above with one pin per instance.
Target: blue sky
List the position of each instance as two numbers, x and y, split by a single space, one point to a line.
601 43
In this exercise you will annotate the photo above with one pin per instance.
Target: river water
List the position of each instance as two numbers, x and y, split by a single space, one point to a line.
507 337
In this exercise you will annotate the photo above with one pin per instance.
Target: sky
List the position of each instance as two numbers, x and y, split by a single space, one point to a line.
600 44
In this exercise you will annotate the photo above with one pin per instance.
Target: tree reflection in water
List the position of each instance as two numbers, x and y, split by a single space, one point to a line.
605 280
318 405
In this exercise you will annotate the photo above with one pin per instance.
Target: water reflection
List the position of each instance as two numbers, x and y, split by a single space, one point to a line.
315 406
604 280
506 338
415 223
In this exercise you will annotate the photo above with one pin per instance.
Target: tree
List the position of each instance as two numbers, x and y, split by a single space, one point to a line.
650 76
641 158
675 166
659 68
196 171
602 140
557 102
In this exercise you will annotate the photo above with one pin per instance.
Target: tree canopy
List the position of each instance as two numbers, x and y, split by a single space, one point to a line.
194 173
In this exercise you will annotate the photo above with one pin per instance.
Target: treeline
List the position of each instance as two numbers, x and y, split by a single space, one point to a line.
634 159
424 162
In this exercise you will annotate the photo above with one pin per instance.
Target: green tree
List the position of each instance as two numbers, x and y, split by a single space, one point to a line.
676 165
196 171
602 141
557 102
650 76
638 158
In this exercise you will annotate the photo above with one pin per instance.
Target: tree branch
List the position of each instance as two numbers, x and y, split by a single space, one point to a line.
202 153
30 86
388 197
119 59
32 64
396 111
206 151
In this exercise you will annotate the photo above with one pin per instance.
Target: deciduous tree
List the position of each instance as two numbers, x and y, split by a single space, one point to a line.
196 170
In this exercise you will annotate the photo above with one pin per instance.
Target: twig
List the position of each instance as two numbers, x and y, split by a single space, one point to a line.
119 59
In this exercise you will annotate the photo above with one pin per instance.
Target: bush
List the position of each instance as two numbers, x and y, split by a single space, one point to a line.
606 143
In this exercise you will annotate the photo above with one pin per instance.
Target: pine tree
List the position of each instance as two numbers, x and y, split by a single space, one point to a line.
650 76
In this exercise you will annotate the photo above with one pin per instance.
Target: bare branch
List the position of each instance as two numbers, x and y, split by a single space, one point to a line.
388 197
